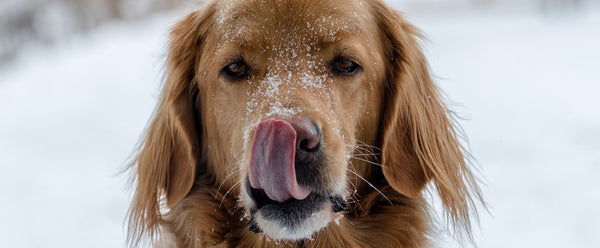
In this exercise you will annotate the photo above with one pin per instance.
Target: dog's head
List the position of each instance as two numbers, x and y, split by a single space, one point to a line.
278 101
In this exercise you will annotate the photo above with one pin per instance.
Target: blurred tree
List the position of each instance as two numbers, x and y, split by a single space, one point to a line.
49 21
560 5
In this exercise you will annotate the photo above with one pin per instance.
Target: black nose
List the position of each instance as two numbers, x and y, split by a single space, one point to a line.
308 140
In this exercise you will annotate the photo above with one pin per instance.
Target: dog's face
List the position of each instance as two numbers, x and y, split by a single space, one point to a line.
273 103
288 90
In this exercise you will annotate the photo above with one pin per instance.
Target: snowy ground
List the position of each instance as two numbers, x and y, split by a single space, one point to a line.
526 84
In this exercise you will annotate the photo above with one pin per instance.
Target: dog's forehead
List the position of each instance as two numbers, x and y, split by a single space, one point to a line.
285 22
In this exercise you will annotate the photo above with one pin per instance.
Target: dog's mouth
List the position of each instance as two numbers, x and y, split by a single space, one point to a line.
284 208
292 219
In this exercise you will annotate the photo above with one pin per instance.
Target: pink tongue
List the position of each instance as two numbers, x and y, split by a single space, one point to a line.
272 161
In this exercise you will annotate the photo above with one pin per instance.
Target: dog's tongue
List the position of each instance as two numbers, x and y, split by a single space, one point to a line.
272 161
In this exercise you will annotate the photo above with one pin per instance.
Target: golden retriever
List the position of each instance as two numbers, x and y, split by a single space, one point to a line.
297 123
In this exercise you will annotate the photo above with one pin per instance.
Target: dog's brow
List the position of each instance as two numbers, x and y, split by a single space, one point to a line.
242 22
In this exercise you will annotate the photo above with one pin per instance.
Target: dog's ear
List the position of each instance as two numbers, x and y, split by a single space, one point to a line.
419 141
170 150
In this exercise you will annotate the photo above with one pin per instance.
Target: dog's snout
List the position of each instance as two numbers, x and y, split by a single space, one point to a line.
308 139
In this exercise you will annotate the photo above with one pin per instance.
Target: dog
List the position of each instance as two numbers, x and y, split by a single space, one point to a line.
306 123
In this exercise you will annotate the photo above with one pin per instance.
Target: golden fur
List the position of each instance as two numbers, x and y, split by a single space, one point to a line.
386 130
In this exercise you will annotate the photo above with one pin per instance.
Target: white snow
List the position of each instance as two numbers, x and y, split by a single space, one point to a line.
69 118
525 83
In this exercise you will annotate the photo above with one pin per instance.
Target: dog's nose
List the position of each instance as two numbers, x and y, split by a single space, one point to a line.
308 139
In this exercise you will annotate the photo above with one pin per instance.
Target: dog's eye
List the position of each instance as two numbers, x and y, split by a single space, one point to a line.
345 67
236 71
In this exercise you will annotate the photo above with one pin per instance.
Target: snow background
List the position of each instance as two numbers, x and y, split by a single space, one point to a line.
525 81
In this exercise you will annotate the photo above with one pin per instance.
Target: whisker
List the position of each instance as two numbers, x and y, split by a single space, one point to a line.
372 186
366 151
352 194
367 161
227 178
366 154
226 193
355 179
363 150
360 143
353 184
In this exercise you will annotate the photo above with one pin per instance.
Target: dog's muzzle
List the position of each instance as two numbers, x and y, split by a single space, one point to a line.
283 156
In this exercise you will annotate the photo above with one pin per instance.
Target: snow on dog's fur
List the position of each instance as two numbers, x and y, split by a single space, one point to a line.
297 123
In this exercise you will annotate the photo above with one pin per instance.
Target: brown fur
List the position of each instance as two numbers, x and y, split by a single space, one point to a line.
188 192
